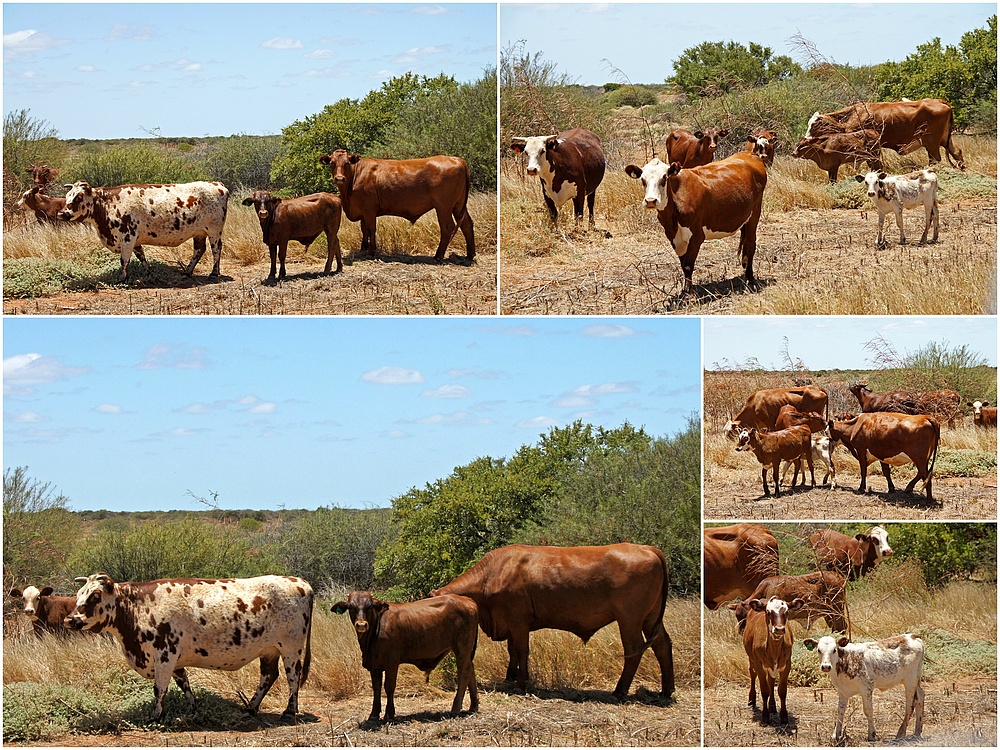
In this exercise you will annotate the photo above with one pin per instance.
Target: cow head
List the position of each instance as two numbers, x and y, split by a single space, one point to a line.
341 165
709 138
804 148
31 596
879 537
538 149
79 202
745 438
977 408
775 613
858 388
95 603
263 203
42 175
655 177
829 650
763 143
877 185
732 429
820 124
22 201
365 611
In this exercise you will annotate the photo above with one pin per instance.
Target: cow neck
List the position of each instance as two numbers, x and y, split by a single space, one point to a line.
99 215
368 640
267 225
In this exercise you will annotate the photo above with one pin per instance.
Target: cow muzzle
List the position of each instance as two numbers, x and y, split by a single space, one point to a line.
64 215
532 171
74 623
826 667
361 626
650 203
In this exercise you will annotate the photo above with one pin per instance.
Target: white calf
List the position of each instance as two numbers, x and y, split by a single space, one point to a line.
859 668
822 450
896 192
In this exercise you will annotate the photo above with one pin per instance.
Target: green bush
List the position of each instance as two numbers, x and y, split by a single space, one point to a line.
132 165
711 68
946 551
630 96
243 162
965 463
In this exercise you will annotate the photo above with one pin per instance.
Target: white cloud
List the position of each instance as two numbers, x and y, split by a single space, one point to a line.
320 54
430 10
29 417
536 423
447 391
282 43
109 409
86 68
24 43
417 54
182 432
166 355
572 402
22 372
475 372
457 418
393 376
605 389
265 407
130 33
396 435
608 331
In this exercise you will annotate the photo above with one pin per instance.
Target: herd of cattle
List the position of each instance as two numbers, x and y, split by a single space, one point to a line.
130 216
741 561
698 199
168 625
894 429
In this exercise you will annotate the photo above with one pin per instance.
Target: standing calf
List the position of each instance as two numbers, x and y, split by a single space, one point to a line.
299 219
45 611
896 192
859 668
771 448
983 415
767 639
420 633
42 206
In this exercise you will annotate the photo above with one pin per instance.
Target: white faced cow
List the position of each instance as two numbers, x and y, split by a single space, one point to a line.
893 193
167 625
569 165
130 216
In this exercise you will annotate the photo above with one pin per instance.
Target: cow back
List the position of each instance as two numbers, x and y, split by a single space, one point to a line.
579 156
407 188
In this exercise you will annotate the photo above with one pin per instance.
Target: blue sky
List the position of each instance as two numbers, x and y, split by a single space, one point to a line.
643 39
131 414
826 343
123 70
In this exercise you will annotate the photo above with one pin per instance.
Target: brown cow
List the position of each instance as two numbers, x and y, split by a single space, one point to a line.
736 559
771 448
693 149
983 415
822 594
943 405
705 203
420 633
42 206
569 165
894 440
519 589
829 152
762 407
46 612
852 557
370 188
42 174
901 126
763 143
822 448
767 639
299 219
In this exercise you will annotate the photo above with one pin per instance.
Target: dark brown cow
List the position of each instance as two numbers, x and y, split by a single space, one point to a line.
829 152
693 149
763 143
569 165
705 203
762 407
300 219
943 405
46 612
737 558
520 589
902 126
894 440
409 188
42 174
852 557
42 206
983 415
789 416
771 448
822 594
767 639
420 633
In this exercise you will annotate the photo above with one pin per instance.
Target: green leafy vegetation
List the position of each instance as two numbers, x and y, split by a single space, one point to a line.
711 68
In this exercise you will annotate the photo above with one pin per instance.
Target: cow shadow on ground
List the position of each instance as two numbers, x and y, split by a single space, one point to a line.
703 294
781 730
419 717
450 259
577 695
211 712
159 275
301 276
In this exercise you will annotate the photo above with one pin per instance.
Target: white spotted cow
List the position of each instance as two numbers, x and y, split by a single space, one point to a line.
167 625
130 216
893 193
859 668
570 165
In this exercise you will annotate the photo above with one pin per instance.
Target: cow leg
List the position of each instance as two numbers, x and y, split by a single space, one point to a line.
126 256
578 202
390 692
512 661
448 228
161 683
181 678
465 224
863 462
216 256
663 650
866 701
910 699
783 692
293 674
838 727
899 223
199 249
748 243
141 255
752 698
918 709
763 479
517 647
928 214
466 681
887 472
633 645
774 467
268 674
376 694
273 249
832 172
368 236
936 218
333 247
766 697
282 254
550 204
590 208
879 239
812 468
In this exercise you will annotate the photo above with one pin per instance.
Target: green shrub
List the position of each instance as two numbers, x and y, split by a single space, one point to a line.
630 96
965 463
132 164
33 712
243 162
946 551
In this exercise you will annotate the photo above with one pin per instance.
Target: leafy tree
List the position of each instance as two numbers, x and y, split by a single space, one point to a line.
719 67
948 550
243 161
27 140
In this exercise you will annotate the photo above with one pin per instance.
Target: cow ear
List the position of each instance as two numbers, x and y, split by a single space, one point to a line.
381 606
339 608
47 591
810 643
751 139
107 582
882 175
733 606
517 145
843 641
353 158
674 169
795 604
16 593
723 133
248 201
755 604
551 143
859 177
325 159
986 403
633 171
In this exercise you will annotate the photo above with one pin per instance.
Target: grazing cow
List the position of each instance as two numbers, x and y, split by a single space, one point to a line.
983 415
763 143
894 440
767 638
829 152
736 559
44 208
851 557
299 219
519 589
167 625
409 188
420 633
693 149
762 407
42 174
709 202
771 448
901 126
893 193
822 594
129 216
859 668
569 165
942 405
46 612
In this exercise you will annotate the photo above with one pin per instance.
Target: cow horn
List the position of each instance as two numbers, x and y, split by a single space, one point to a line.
80 579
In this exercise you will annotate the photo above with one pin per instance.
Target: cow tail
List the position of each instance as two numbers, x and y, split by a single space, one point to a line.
947 143
307 659
465 205
937 443
663 602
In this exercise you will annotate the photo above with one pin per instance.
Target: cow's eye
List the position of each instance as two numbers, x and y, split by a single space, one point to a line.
663 180
94 598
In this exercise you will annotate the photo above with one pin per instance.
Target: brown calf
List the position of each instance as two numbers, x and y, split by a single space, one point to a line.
849 556
299 219
771 448
45 611
767 639
693 149
420 633
42 206
983 415
943 404
822 594
829 152
762 407
763 143
42 174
